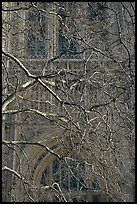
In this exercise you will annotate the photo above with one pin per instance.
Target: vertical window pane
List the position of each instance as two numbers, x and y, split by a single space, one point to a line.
73 180
55 170
64 176
73 183
81 176
43 180
82 185
41 49
94 184
55 166
72 48
31 45
41 43
37 36
62 45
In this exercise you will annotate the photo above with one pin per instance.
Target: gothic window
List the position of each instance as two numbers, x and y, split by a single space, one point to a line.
36 35
67 45
71 178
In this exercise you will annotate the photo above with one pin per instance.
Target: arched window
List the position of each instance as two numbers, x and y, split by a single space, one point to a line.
67 45
71 176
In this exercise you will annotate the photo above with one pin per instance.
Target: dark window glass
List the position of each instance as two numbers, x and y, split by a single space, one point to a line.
95 184
31 45
41 43
82 167
36 17
82 185
55 166
33 17
72 48
36 44
73 166
55 170
64 176
62 45
91 12
37 35
73 183
81 170
100 11
43 178
41 49
73 180
66 46
96 10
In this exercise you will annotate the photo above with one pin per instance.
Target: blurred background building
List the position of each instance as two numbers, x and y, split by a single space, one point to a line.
83 55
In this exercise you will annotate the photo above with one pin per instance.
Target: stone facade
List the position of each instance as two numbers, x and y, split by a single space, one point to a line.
79 110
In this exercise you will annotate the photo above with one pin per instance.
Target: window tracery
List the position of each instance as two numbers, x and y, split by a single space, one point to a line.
70 176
